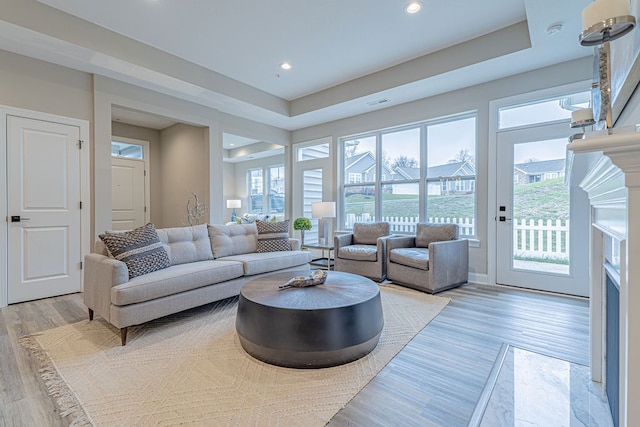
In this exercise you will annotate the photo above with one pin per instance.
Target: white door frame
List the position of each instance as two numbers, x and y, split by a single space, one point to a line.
147 173
492 166
85 185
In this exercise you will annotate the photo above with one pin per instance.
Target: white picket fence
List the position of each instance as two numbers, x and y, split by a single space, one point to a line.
534 238
408 224
540 238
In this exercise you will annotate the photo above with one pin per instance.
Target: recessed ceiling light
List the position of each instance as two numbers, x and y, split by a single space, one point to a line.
285 66
413 7
232 145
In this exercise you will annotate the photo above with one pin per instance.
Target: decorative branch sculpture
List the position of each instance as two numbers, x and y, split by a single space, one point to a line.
195 212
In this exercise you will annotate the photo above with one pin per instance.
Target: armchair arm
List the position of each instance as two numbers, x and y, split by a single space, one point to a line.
449 262
295 244
101 273
382 243
341 241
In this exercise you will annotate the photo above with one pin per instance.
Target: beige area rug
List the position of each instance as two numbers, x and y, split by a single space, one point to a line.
190 369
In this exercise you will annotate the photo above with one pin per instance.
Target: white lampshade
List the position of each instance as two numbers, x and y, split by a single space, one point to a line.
602 10
323 209
233 204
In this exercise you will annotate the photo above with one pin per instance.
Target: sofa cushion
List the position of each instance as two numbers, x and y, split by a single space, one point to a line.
359 252
140 249
411 257
427 233
186 244
273 236
234 239
266 262
173 280
367 234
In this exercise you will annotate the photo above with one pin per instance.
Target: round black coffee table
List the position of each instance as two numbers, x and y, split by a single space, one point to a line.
319 326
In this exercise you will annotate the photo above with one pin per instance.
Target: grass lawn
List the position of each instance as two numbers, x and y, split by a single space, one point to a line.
540 200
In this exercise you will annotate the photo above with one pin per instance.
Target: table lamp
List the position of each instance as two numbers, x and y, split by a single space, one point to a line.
233 204
322 211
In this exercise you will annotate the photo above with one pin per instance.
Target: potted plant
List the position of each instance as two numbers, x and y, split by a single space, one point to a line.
302 224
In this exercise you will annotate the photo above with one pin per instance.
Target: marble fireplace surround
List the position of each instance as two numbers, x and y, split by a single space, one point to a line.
612 181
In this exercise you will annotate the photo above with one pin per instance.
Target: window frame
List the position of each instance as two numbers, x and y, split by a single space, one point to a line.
422 181
265 189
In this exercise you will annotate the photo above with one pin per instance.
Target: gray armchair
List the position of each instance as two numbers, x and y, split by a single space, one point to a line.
364 251
433 260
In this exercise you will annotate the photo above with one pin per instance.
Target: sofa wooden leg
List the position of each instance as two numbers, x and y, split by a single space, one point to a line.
123 336
90 314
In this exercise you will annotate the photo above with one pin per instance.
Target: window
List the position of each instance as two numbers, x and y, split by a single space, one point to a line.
421 172
355 178
129 151
542 111
451 147
266 190
317 151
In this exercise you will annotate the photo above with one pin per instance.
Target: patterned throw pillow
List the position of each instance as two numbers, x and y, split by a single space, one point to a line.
273 236
140 249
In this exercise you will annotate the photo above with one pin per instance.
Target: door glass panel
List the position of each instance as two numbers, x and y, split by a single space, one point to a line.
311 192
540 218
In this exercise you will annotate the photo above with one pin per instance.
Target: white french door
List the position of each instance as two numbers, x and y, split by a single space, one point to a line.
312 182
44 213
542 223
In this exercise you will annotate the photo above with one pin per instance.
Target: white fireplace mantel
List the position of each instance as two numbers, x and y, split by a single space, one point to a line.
613 185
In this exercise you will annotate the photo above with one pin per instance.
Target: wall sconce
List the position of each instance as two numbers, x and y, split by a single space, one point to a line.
602 22
323 210
233 204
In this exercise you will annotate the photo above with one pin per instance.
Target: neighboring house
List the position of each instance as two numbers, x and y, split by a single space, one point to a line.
362 168
441 179
526 173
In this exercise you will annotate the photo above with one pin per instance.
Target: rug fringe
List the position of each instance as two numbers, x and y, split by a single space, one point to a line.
56 386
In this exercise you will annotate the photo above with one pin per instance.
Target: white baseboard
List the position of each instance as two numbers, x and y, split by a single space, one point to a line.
481 279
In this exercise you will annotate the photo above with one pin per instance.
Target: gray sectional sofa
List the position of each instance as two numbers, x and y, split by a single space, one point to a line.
208 263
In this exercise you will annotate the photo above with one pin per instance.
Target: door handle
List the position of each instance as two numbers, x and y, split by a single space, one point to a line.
503 219
18 218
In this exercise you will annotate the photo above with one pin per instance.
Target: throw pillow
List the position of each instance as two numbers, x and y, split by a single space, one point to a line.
273 236
139 249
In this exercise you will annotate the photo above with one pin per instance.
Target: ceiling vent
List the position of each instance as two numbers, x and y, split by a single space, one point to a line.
377 101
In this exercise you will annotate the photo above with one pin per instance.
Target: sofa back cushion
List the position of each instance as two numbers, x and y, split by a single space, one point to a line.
427 233
234 239
367 234
186 244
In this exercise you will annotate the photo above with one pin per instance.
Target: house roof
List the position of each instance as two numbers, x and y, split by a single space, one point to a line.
445 170
532 168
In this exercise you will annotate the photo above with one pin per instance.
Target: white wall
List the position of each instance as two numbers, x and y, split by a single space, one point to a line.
468 99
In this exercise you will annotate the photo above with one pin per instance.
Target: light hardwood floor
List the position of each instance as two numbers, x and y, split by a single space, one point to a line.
435 380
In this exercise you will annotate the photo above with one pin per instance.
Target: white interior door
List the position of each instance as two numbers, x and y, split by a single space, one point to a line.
542 224
128 193
44 212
